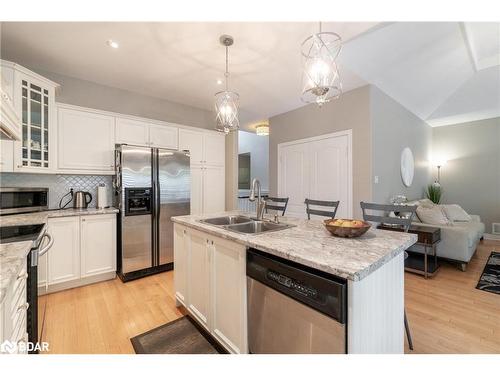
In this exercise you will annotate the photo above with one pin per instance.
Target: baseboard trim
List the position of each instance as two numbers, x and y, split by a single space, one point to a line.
77 283
489 236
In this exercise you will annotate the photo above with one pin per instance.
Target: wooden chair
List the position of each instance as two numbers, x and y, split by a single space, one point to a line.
383 218
281 205
313 211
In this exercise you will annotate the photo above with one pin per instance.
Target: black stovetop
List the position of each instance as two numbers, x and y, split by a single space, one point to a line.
17 233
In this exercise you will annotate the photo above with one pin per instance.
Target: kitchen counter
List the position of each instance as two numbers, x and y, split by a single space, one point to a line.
41 217
12 258
310 244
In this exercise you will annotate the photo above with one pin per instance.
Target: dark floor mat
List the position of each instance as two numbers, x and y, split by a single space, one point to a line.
182 336
490 279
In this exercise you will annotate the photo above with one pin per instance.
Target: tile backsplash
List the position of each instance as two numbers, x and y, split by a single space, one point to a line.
59 184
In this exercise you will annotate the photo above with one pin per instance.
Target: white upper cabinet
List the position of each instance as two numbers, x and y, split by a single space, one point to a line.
163 136
193 142
204 147
142 133
214 149
132 132
86 141
33 98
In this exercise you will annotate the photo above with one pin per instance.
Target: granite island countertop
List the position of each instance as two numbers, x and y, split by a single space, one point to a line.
12 258
310 244
42 216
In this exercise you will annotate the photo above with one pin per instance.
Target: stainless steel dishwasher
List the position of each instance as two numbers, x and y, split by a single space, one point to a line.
294 309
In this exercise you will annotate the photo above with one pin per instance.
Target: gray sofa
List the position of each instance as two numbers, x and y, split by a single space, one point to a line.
458 241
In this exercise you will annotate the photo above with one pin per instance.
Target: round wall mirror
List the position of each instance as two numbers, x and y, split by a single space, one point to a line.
407 167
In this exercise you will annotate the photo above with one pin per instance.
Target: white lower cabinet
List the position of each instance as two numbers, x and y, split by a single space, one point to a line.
229 314
210 280
64 256
199 277
84 251
97 244
181 250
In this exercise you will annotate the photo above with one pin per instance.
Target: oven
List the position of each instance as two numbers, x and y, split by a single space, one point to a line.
41 242
15 200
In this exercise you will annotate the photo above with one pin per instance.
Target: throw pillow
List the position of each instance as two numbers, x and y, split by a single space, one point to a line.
455 213
432 215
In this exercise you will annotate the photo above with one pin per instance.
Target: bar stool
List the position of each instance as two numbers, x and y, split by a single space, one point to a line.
281 205
312 211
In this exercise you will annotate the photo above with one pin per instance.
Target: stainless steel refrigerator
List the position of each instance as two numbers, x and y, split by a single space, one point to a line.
151 186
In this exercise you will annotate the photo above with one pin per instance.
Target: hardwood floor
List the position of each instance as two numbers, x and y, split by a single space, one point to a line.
446 314
101 318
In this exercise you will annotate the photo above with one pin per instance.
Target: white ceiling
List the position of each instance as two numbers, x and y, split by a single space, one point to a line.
180 62
442 72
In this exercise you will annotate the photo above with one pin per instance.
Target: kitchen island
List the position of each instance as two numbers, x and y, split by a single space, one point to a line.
211 282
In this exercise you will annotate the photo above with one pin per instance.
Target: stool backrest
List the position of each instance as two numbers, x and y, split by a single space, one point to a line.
385 209
281 204
332 205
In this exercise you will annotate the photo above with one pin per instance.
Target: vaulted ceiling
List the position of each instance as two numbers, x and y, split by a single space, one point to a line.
443 72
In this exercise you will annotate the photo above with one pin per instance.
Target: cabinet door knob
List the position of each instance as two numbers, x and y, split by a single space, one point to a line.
24 306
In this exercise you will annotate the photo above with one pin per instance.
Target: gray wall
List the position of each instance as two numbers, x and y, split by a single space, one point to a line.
393 129
350 111
471 177
93 95
258 147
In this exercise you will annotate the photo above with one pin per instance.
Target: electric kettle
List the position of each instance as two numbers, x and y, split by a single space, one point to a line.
80 199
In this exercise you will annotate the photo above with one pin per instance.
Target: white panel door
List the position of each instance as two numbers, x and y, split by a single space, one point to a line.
132 132
181 252
64 255
214 149
86 140
328 172
192 141
229 295
98 244
294 177
199 277
163 136
214 185
316 168
196 190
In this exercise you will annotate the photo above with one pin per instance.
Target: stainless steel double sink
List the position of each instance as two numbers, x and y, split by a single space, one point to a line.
244 224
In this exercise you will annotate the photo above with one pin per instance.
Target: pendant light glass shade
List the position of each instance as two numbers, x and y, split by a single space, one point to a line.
226 102
321 79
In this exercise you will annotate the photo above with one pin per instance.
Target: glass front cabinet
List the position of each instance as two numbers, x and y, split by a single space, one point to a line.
34 100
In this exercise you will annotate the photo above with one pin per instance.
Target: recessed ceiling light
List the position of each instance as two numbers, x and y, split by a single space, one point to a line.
219 81
112 43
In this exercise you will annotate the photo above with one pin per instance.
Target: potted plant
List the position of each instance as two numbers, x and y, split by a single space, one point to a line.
434 193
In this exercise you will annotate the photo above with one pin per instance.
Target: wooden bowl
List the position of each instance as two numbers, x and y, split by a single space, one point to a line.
346 232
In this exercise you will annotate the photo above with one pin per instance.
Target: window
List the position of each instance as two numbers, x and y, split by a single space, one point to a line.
244 171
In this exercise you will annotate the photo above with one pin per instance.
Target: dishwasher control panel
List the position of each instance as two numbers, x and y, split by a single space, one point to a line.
292 284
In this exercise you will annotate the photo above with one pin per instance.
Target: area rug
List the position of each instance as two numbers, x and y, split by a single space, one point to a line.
182 336
490 279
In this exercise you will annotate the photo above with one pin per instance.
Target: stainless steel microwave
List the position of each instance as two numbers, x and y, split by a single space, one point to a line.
26 199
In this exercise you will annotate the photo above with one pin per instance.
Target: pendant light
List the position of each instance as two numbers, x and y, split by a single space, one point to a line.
321 80
226 102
